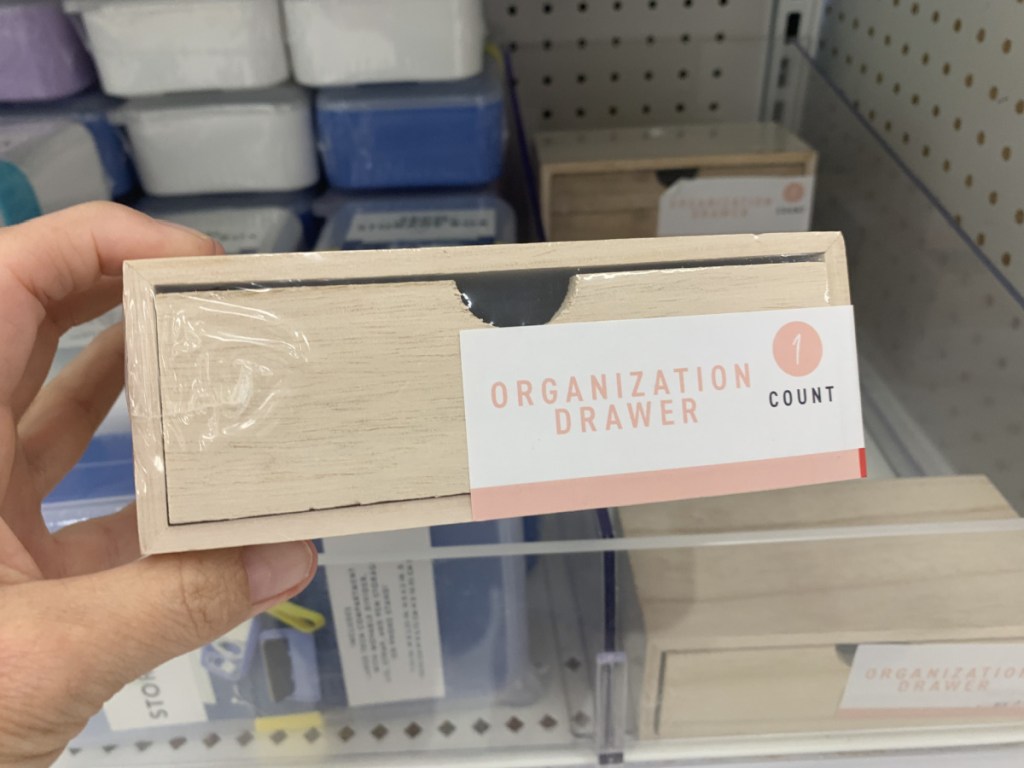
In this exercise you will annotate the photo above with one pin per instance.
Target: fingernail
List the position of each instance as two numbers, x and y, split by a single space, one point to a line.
275 569
218 249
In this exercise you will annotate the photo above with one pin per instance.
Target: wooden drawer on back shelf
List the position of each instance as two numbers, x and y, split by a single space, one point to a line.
604 184
757 639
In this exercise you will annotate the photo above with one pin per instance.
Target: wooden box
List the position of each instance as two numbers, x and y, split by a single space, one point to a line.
757 639
296 396
603 184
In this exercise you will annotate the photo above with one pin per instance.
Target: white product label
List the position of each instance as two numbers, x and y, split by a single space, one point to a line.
736 205
582 415
935 679
169 695
385 619
239 230
423 226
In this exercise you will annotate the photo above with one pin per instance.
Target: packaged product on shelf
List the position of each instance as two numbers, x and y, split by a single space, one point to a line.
825 634
361 222
387 369
447 134
242 225
41 56
711 179
208 143
46 165
91 110
346 42
150 47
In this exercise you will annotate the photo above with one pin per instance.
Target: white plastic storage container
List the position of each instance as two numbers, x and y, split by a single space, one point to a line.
41 56
148 47
342 42
240 226
46 166
246 141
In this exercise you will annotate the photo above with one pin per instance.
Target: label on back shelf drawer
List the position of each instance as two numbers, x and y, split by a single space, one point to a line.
582 415
423 227
736 205
941 679
385 619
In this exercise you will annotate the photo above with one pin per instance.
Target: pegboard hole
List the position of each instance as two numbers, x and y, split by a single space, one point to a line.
957 25
896 88
946 165
993 198
981 35
547 8
716 73
512 10
879 78
680 108
581 43
649 40
981 137
915 99
613 111
1020 107
720 37
980 239
683 74
1007 259
993 93
957 123
871 31
969 181
614 77
887 40
969 80
1019 216
926 150
546 80
905 49
581 7
684 38
546 114
713 106
581 112
646 109
1007 153
905 137
936 111
648 75
581 78
935 17
617 6
616 41
945 68
1007 45
871 114
915 8
888 125
925 58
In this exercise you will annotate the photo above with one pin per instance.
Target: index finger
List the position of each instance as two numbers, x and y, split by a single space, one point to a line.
46 260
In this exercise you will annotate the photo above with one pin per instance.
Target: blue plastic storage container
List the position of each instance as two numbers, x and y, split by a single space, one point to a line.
448 134
91 110
417 220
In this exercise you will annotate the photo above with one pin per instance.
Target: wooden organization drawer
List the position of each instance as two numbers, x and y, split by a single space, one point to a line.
757 639
296 396
604 184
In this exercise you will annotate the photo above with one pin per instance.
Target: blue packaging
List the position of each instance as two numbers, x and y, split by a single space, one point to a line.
447 134
91 110
417 220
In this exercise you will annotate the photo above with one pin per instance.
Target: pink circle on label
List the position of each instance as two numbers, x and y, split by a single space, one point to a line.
797 349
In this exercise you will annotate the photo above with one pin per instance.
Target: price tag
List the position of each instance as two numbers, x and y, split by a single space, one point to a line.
582 415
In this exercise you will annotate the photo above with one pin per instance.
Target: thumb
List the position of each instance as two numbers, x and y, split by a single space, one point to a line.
108 628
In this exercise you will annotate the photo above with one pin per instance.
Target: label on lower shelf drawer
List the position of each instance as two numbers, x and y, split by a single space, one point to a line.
423 227
385 619
736 205
942 679
581 415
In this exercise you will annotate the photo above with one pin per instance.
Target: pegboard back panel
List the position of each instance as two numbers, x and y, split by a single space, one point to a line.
611 63
941 81
933 317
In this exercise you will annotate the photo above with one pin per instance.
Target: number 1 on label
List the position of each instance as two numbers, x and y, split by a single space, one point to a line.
796 346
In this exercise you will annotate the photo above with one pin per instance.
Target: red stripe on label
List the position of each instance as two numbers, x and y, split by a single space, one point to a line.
863 462
664 485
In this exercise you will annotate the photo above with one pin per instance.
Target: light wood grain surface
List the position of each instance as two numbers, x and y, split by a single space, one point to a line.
309 409
601 184
742 639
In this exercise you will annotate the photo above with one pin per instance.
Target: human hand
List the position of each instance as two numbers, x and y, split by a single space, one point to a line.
80 614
